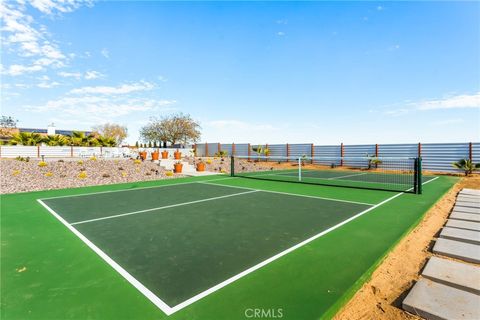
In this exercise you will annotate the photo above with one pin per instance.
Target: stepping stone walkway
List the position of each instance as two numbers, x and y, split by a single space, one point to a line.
450 289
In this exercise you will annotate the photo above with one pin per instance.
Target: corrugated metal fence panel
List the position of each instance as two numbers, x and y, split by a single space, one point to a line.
277 150
440 156
212 149
201 150
300 150
226 147
241 149
326 152
18 151
476 152
357 151
398 150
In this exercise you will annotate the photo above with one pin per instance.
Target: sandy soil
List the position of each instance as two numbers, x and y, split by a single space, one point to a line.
382 296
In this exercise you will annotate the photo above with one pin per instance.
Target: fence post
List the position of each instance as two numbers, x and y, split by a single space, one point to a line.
470 151
376 150
341 154
312 151
249 152
419 150
219 147
233 148
266 147
288 151
71 151
38 151
101 150
206 149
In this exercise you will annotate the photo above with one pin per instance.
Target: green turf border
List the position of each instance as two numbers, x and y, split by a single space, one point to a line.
364 278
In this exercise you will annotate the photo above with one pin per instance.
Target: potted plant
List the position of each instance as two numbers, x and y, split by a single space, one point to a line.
201 166
177 154
165 154
177 167
155 155
143 155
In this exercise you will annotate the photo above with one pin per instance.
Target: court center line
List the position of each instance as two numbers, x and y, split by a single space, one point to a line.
287 193
170 310
275 257
161 208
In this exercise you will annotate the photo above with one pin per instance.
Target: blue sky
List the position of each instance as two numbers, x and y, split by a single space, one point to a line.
259 72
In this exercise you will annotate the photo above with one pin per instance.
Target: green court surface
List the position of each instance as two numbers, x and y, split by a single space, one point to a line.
204 248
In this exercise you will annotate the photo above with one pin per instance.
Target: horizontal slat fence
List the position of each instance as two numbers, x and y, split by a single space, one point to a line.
69 152
437 157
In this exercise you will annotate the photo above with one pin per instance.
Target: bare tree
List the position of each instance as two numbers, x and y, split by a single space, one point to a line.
173 128
113 131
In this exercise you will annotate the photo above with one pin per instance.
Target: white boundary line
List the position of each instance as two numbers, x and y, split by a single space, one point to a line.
140 287
170 310
287 193
161 208
133 189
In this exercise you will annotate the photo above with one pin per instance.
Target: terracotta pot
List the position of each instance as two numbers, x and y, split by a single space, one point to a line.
164 154
155 155
177 167
143 155
200 166
178 155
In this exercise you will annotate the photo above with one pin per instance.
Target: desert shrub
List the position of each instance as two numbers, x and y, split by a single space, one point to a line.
82 175
120 168
42 164
61 160
48 174
93 158
105 175
15 172
80 162
137 161
169 173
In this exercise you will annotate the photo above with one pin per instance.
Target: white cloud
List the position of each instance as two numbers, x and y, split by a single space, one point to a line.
100 108
123 89
105 53
379 8
76 75
162 78
63 6
89 75
17 69
23 36
280 33
452 102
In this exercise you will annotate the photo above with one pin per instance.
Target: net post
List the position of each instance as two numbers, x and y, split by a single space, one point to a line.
299 169
206 149
288 151
249 151
417 188
233 149
470 151
341 154
232 166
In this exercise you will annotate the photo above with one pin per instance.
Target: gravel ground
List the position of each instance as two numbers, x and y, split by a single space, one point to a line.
21 176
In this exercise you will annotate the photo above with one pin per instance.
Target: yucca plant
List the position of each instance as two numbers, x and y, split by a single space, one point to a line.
466 165
27 139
